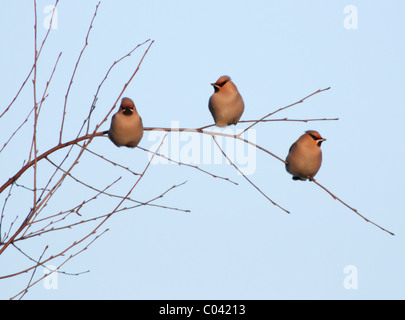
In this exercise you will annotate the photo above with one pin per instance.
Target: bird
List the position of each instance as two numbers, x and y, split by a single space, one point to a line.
126 125
305 156
226 103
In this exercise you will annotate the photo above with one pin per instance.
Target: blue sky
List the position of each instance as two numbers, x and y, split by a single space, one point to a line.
233 244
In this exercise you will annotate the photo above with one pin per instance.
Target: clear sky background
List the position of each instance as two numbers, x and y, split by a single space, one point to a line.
233 244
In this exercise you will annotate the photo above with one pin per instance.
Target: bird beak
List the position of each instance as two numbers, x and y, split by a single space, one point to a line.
127 111
319 141
216 87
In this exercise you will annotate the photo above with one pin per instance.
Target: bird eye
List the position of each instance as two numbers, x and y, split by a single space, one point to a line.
313 137
223 83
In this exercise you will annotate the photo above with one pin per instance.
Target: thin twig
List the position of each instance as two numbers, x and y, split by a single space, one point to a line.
47 268
93 105
45 154
189 165
275 120
55 256
283 108
109 161
36 111
123 89
345 204
74 73
287 119
105 193
210 133
33 66
21 125
24 292
257 188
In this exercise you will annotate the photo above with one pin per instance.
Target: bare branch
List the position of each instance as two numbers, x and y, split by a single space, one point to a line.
189 165
283 108
74 72
93 105
257 188
294 120
345 204
199 130
109 161
33 66
33 272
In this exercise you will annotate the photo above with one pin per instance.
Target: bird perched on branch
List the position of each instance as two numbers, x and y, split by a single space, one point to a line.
226 103
305 156
126 125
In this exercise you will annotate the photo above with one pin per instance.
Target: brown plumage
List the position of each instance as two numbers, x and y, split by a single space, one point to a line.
305 156
126 125
226 103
